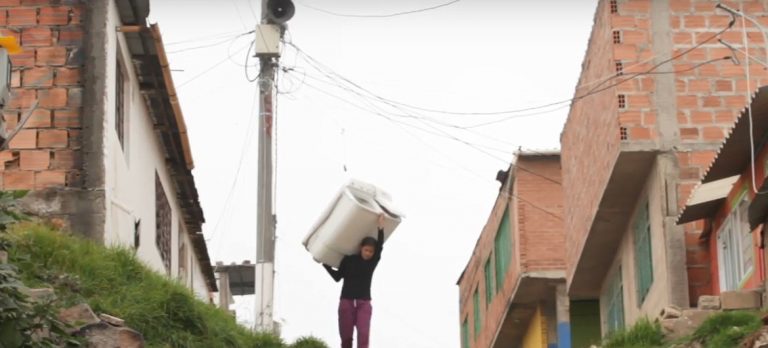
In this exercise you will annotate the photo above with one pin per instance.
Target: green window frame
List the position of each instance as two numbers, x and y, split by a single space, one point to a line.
465 334
615 307
489 284
502 247
476 302
643 254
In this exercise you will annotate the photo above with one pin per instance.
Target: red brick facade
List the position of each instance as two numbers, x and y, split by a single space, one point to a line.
48 70
684 107
536 236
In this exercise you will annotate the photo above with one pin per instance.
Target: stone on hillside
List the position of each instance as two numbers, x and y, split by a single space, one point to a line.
3 257
686 324
40 295
78 316
757 340
709 302
732 300
103 335
114 321
670 312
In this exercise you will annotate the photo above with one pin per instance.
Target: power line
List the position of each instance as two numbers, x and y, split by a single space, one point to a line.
445 134
544 106
228 34
468 170
211 68
211 44
389 15
249 130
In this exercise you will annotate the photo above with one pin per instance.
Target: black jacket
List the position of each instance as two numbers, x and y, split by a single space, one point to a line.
357 273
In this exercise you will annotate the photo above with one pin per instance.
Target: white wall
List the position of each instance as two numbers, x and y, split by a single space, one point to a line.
130 174
658 294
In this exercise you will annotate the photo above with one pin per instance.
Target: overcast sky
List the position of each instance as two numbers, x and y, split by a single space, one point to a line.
472 56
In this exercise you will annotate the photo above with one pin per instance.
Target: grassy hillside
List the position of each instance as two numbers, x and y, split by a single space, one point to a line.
113 281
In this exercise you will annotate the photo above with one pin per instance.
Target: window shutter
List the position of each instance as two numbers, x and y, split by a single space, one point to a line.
489 284
643 254
616 303
476 302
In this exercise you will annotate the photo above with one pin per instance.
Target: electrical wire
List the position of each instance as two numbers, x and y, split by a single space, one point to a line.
562 103
249 130
437 132
547 105
401 124
389 15
212 44
748 93
237 10
211 68
245 66
229 34
476 147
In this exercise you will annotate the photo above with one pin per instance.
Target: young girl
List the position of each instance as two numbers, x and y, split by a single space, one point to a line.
355 304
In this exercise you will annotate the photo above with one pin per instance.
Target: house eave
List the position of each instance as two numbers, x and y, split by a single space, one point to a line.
614 211
532 289
156 85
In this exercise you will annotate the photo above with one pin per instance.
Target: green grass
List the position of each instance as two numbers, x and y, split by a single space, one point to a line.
643 334
308 342
114 281
727 329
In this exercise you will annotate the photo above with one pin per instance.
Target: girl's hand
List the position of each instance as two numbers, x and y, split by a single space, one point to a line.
381 221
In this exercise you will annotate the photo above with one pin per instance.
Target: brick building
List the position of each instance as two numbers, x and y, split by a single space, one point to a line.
656 96
106 151
732 209
512 291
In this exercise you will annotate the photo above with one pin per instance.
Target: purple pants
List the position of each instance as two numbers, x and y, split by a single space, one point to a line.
354 313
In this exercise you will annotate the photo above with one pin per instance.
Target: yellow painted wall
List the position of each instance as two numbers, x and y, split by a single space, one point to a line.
536 336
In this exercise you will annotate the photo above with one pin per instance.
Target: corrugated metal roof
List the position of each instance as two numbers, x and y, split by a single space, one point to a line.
733 156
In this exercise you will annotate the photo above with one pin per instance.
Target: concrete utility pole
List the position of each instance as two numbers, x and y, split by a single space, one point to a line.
274 14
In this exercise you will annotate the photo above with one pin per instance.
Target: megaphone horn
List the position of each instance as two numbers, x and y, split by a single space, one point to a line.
280 11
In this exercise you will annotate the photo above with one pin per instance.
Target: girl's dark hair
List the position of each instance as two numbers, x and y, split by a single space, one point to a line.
369 241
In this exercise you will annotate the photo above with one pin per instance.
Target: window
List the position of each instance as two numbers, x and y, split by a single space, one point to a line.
120 103
614 6
502 248
622 101
162 224
643 254
616 36
136 233
489 284
619 68
615 303
465 334
476 302
182 261
736 258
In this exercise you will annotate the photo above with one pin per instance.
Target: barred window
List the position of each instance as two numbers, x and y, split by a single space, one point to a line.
162 224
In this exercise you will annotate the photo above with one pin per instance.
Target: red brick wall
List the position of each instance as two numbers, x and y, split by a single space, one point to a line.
541 236
537 239
474 278
708 98
708 101
590 139
43 154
